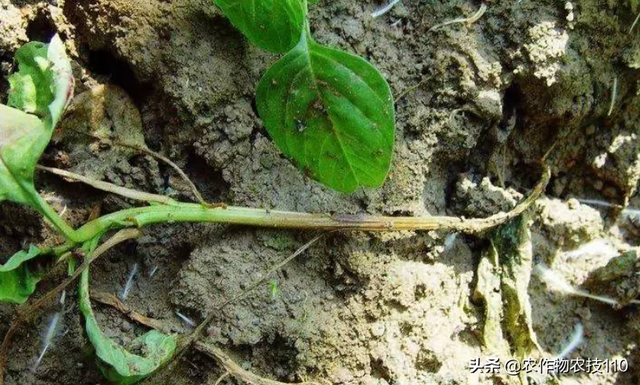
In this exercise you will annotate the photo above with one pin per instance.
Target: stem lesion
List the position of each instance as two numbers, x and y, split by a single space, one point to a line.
171 211
129 221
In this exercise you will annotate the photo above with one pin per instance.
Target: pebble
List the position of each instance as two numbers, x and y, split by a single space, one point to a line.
377 330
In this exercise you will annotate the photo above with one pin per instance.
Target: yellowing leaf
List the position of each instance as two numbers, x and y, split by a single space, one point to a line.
40 91
31 89
23 137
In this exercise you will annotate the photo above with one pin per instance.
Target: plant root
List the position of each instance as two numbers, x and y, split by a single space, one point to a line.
635 22
614 94
153 154
477 225
189 212
109 187
113 301
236 370
27 312
183 175
382 11
221 378
408 90
466 20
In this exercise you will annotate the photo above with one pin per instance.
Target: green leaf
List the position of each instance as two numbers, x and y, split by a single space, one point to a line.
17 281
31 85
117 364
332 113
40 91
43 84
273 25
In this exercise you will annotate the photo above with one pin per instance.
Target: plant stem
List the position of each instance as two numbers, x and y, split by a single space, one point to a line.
191 212
53 217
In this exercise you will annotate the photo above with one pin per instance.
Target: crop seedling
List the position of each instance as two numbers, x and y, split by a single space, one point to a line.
331 112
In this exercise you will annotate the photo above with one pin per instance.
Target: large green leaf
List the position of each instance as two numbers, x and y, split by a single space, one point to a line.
117 364
17 281
332 113
39 93
273 25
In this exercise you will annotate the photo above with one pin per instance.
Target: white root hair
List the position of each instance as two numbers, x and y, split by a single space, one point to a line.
384 9
467 20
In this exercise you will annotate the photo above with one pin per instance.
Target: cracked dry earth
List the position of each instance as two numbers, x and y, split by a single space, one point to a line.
480 105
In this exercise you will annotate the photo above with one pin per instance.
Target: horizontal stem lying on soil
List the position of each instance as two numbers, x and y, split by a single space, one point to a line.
191 212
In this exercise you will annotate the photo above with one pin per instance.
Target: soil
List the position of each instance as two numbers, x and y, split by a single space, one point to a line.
484 103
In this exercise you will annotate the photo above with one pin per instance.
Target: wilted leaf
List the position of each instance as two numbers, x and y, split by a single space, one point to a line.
22 140
40 91
513 244
503 279
104 111
332 113
273 25
489 292
118 364
17 281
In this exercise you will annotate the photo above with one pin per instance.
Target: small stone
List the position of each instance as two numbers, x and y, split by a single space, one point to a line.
377 330
490 103
598 184
584 313
343 375
126 327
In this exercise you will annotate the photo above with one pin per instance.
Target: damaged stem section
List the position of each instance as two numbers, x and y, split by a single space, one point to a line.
190 212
